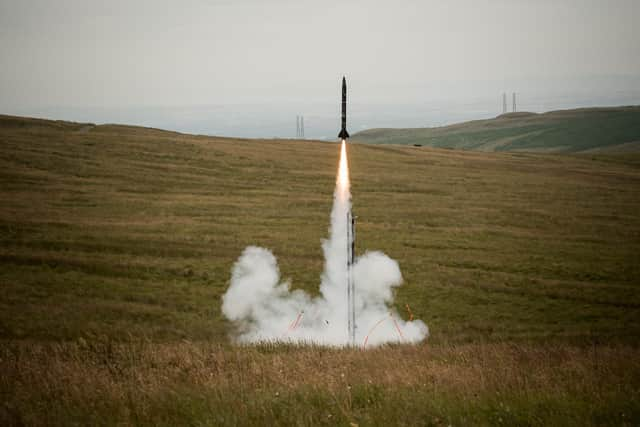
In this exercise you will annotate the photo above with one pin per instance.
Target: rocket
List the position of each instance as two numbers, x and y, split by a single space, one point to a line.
343 132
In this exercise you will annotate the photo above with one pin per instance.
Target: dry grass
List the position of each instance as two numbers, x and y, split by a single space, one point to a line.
116 244
199 383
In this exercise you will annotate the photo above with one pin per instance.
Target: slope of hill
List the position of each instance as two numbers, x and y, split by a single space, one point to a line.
117 242
117 205
591 129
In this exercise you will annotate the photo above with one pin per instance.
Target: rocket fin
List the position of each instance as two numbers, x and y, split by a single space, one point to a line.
343 134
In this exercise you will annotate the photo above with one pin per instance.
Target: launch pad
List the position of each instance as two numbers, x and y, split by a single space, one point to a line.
351 291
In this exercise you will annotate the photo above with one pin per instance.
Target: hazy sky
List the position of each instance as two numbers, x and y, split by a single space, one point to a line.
88 56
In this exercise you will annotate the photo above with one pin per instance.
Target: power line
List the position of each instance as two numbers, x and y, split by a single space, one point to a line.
299 126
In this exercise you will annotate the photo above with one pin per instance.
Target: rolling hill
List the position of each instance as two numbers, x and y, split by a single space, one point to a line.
580 130
117 242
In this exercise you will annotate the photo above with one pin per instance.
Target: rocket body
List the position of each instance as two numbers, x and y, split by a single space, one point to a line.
343 131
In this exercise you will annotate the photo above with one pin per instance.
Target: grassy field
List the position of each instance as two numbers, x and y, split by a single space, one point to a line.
614 129
117 243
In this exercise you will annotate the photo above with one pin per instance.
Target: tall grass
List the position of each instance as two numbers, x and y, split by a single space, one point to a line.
102 382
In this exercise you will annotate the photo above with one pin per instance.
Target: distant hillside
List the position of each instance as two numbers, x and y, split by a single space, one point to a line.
36 125
580 130
117 244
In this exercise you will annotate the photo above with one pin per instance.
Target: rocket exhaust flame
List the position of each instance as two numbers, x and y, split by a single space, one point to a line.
342 181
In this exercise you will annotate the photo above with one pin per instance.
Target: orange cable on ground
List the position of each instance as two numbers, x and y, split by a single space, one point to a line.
410 312
397 326
294 324
366 339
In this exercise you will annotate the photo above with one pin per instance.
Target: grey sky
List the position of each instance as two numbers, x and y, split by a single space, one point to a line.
87 55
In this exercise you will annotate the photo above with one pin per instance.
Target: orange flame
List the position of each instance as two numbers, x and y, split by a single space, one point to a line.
343 172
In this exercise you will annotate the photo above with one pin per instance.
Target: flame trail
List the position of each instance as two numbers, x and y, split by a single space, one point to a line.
342 182
335 248
261 307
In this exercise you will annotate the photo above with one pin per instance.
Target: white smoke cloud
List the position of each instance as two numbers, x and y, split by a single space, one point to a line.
264 309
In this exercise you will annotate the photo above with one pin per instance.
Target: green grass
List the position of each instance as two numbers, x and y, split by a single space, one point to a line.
583 130
116 244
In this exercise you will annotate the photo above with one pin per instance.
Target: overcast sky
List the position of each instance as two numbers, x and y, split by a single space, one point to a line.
66 57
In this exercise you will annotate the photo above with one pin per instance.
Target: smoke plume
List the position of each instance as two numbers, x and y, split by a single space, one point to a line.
265 309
